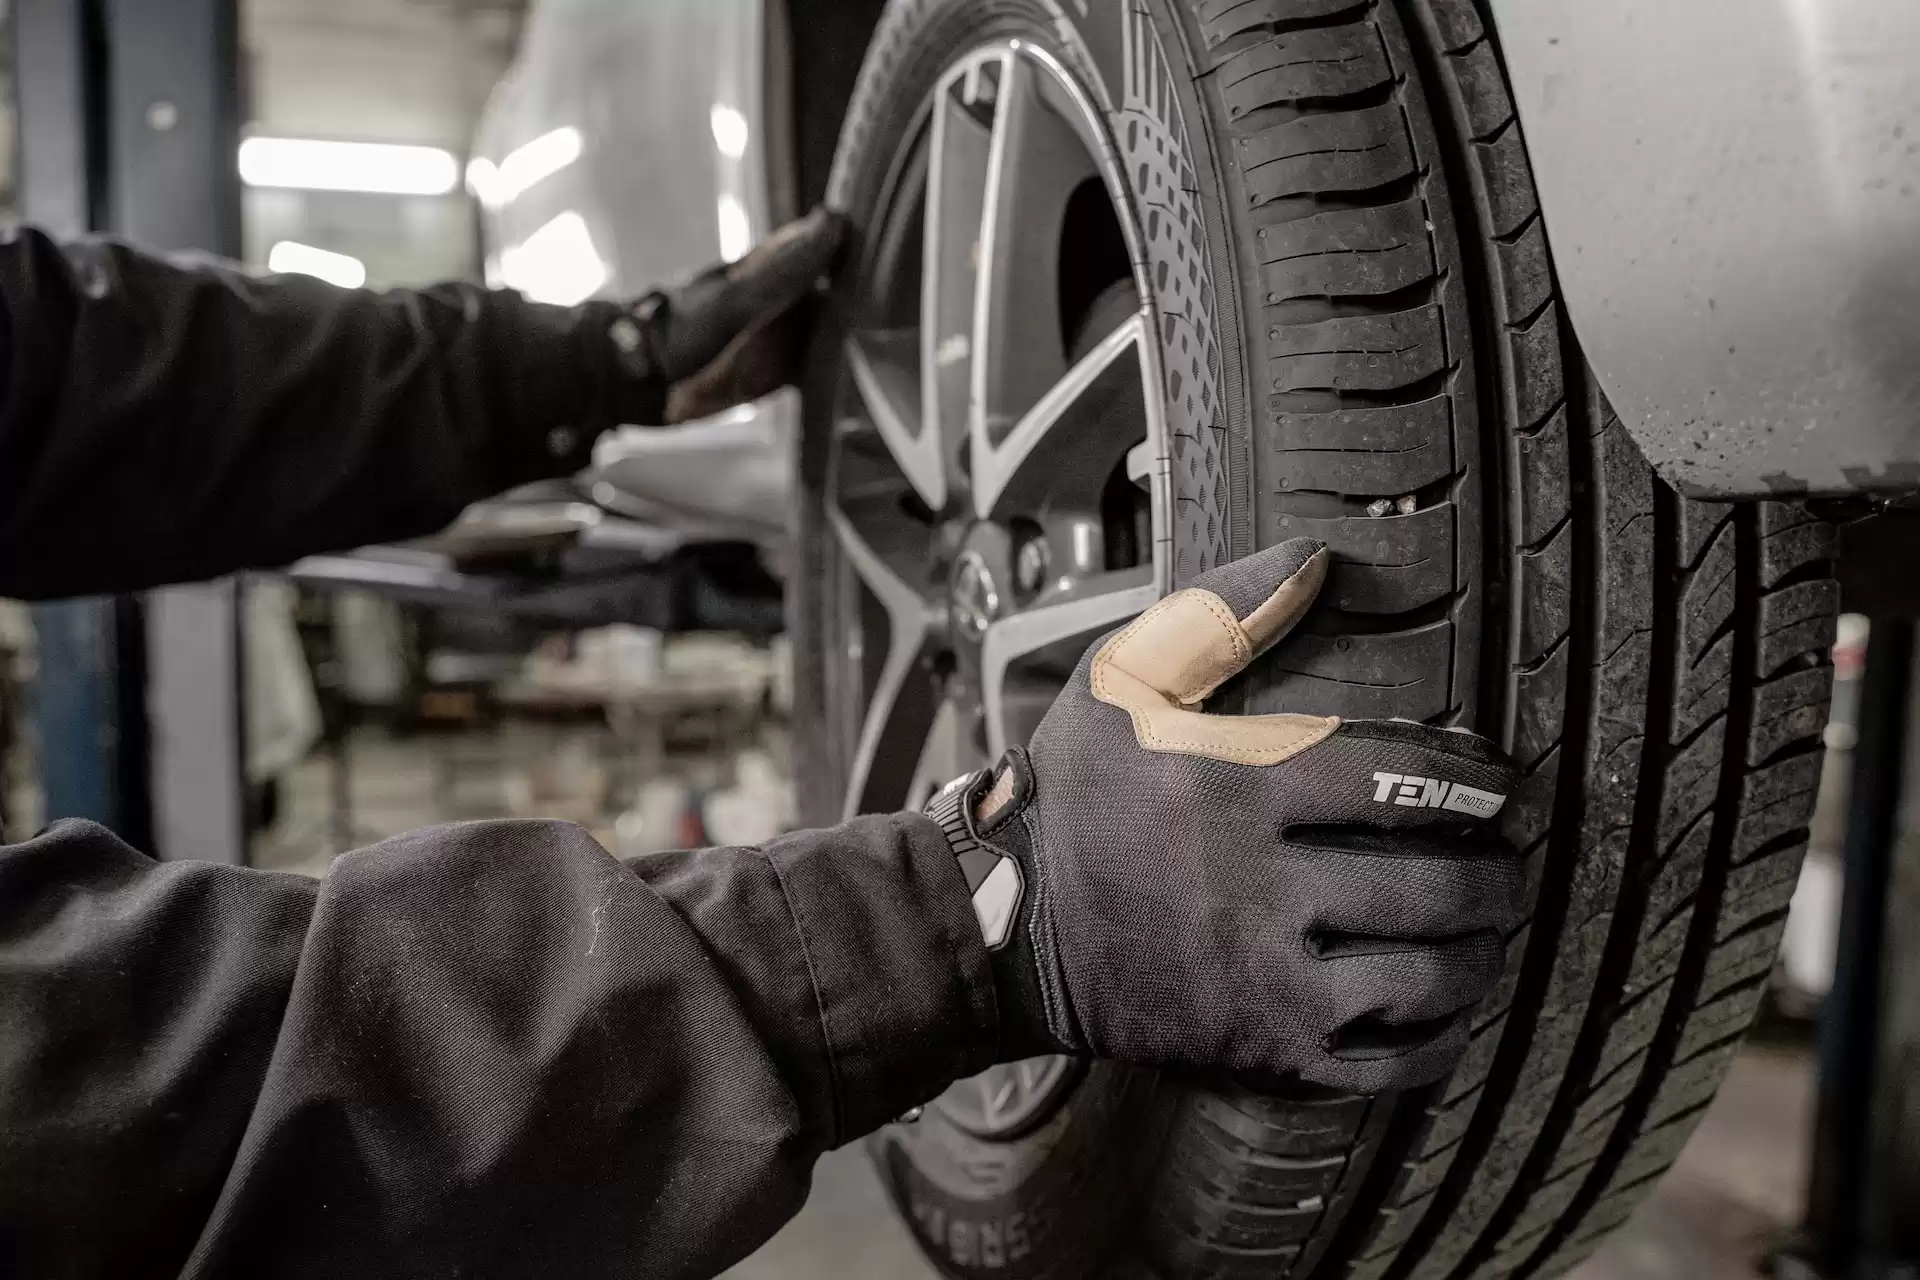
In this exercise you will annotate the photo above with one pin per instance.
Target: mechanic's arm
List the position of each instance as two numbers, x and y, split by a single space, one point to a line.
161 422
494 1050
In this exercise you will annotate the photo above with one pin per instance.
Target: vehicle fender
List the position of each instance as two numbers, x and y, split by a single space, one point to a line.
1732 194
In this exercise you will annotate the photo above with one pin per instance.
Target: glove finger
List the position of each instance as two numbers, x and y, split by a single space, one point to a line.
710 313
1386 1000
1418 1064
784 267
765 357
1423 890
1396 774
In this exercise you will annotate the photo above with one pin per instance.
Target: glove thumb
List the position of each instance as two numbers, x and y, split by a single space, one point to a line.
1164 665
1186 646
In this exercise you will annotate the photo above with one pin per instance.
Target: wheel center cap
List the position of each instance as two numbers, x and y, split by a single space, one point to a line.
975 596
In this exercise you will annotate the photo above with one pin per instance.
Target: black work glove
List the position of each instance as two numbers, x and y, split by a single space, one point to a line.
733 333
1285 894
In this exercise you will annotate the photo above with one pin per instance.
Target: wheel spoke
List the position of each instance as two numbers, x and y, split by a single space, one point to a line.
1037 161
886 389
894 708
1098 604
1045 437
957 170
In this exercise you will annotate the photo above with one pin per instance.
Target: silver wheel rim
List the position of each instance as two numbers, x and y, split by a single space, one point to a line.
999 482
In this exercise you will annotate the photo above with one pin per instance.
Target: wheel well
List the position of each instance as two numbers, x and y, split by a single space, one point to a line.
826 42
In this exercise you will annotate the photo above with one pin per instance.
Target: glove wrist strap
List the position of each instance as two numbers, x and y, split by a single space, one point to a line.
994 877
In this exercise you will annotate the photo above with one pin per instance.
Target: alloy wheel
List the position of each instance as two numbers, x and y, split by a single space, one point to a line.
998 481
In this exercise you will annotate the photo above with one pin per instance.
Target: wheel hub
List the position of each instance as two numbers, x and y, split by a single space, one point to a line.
974 599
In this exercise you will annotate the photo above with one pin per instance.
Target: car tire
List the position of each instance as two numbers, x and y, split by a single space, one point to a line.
1362 341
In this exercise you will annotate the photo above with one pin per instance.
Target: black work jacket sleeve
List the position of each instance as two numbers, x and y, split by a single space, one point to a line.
482 1050
161 422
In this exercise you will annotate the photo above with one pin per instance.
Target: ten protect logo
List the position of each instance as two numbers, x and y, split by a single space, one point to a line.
1413 792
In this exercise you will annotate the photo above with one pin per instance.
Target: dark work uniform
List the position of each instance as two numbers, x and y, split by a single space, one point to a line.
483 1050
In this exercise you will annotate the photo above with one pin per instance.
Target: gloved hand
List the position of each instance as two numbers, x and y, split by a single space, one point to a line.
733 333
1266 894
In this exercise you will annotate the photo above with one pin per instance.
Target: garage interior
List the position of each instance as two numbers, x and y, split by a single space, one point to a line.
614 654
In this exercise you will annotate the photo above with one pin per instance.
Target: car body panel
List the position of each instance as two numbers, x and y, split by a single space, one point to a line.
671 175
1732 192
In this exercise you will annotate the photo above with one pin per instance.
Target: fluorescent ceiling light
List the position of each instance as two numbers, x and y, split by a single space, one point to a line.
729 130
379 168
290 257
736 233
525 167
556 264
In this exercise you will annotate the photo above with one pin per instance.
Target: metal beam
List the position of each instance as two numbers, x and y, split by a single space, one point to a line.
173 135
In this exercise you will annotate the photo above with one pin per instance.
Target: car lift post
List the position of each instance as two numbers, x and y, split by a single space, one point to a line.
1863 1202
129 124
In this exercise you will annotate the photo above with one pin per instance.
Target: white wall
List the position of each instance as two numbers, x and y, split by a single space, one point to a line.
412 71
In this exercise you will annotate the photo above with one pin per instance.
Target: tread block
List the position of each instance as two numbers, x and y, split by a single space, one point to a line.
1546 1205
1741 959
1642 1164
1448 1124
1766 823
1371 451
1699 524
1222 19
1630 1034
1759 888
1348 151
1483 87
1358 353
1458 25
1626 538
1789 710
1540 479
1726 1016
1700 688
1597 1112
1363 676
1693 778
1502 161
1795 621
1705 601
1790 539
1347 252
1478 1059
1526 275
1540 707
1543 584
1287 1130
1776 800
1384 565
1690 1085
1677 876
1540 382
1316 62
1658 953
